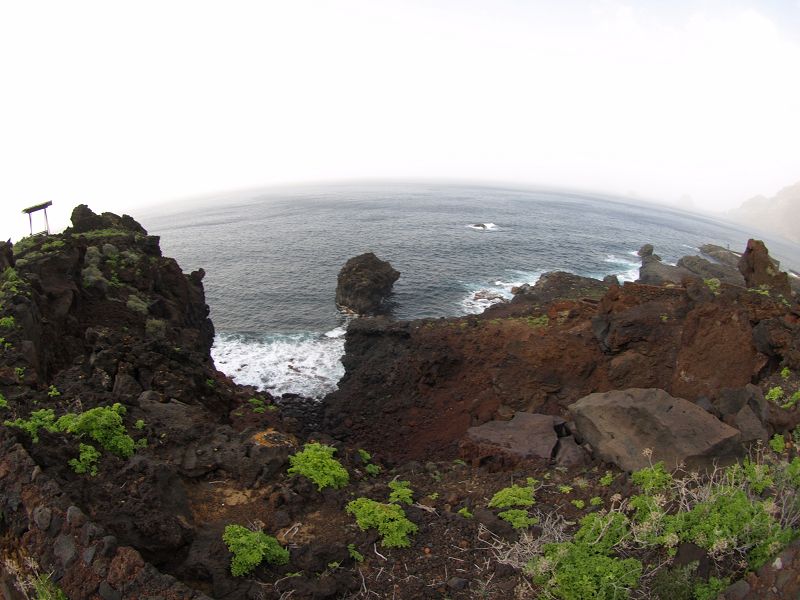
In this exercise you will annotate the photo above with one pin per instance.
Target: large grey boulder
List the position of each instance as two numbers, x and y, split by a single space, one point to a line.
620 425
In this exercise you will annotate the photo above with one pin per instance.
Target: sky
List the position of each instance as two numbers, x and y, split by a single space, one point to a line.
126 105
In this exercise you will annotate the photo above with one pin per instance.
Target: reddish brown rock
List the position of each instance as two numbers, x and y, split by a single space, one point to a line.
759 270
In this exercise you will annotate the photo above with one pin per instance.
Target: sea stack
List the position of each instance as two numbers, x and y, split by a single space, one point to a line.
364 282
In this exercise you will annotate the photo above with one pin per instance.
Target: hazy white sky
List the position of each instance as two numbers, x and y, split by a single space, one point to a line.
125 104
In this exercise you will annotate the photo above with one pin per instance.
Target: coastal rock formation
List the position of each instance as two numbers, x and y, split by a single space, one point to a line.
364 282
706 269
655 272
758 269
559 284
621 425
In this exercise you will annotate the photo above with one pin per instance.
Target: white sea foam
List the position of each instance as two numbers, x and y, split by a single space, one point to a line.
481 297
308 364
625 269
483 226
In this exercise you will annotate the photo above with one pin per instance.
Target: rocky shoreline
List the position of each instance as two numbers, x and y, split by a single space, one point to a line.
571 379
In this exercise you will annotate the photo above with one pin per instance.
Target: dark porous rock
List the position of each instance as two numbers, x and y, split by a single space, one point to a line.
6 255
560 285
65 550
85 220
708 270
647 250
620 425
364 282
526 436
758 269
731 401
569 453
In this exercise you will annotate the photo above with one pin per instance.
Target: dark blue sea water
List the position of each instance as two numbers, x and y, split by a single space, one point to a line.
272 258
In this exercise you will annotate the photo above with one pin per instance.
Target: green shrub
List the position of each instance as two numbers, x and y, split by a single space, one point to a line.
53 392
53 245
137 304
653 479
465 512
565 489
104 425
515 496
8 322
712 589
316 462
373 469
786 372
713 284
10 282
777 443
86 461
730 520
354 553
251 548
364 455
45 589
257 405
389 519
775 394
3 401
578 503
794 399
39 419
518 518
607 479
573 571
675 583
596 501
139 424
401 492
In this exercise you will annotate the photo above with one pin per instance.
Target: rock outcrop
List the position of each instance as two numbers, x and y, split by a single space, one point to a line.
758 270
526 436
632 428
364 283
560 285
655 272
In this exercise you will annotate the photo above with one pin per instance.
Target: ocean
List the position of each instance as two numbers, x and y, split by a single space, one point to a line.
272 257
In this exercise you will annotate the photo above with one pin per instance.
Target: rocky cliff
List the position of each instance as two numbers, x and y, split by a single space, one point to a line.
126 454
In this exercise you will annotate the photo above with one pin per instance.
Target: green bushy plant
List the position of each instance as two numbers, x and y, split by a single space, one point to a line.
258 406
389 519
251 548
584 568
778 443
86 461
104 425
653 479
3 401
518 518
8 322
515 496
316 462
775 394
401 492
39 419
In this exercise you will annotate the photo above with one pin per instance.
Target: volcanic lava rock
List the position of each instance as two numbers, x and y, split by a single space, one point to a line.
556 285
84 220
759 269
364 282
622 425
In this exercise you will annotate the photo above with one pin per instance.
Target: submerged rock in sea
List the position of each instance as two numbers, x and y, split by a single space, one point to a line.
364 283
622 425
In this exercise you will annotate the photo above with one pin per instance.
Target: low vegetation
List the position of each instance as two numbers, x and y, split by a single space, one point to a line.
316 462
389 519
251 548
